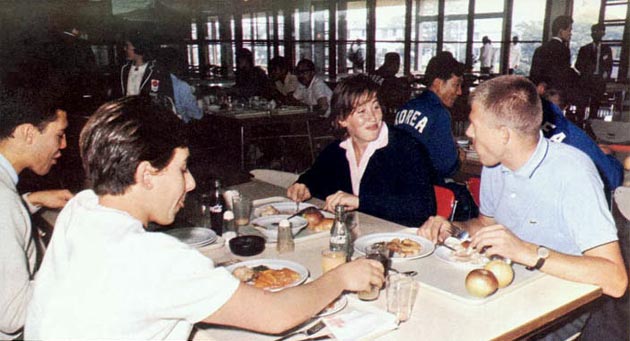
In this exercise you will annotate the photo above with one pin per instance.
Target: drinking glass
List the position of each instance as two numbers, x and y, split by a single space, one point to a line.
401 295
241 205
379 253
332 259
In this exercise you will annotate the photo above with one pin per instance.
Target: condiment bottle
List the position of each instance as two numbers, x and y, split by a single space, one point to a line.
285 237
339 234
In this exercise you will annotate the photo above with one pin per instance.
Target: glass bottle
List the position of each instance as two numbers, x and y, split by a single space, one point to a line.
217 207
285 237
339 234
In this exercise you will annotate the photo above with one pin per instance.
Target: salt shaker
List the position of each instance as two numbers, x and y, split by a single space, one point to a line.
285 237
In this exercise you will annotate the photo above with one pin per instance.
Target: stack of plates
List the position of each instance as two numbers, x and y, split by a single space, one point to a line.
194 236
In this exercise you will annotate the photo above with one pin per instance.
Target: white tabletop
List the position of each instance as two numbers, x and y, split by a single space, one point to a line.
440 312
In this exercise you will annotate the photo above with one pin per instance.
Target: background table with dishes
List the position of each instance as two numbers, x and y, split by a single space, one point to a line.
443 309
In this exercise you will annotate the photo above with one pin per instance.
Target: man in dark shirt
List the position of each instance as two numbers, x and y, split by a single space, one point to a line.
594 62
251 80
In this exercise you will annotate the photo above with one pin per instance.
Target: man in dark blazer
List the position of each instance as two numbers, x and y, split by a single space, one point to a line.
552 60
142 75
594 62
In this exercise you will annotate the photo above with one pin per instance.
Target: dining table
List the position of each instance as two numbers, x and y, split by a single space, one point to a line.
285 122
443 309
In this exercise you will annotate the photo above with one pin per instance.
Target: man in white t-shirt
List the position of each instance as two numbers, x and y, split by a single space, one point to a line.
312 90
515 55
106 277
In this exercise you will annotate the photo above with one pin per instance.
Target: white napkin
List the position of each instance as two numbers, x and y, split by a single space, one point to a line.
361 325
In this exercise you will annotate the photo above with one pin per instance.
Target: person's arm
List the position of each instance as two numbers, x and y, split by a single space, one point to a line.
287 308
16 289
438 228
580 62
51 199
602 265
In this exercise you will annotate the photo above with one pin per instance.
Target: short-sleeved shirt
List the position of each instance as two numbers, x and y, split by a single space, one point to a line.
429 122
105 277
555 200
316 90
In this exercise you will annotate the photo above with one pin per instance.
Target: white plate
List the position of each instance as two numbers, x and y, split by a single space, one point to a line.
271 231
285 207
364 242
339 304
444 254
194 236
275 264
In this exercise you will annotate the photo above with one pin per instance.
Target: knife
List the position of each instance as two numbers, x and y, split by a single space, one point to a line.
321 337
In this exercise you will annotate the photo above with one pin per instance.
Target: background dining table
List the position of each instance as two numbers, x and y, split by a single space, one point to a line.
442 311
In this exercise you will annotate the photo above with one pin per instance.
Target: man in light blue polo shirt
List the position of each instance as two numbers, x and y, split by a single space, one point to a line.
542 203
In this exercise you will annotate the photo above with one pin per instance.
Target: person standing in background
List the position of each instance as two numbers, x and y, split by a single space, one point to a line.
486 56
552 61
142 75
595 61
515 55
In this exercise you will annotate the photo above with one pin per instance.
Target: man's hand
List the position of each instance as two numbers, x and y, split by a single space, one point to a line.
350 201
358 275
435 229
498 240
298 192
56 198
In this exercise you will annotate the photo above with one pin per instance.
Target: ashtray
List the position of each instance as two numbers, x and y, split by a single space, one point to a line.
247 245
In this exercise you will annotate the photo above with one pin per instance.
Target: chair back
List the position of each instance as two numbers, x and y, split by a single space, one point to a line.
274 177
474 187
622 199
445 201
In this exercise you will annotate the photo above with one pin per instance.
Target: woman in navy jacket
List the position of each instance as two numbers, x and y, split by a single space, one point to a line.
377 169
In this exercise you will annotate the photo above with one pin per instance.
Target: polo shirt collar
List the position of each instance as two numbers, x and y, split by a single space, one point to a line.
530 167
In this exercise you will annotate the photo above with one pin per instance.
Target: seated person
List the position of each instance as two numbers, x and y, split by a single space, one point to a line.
542 203
185 102
377 169
312 90
557 128
285 83
394 91
106 277
427 117
251 80
32 135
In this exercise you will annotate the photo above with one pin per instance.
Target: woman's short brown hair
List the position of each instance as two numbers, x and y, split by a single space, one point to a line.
348 93
123 133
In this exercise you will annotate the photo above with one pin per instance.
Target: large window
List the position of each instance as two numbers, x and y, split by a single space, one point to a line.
456 28
527 25
390 30
424 33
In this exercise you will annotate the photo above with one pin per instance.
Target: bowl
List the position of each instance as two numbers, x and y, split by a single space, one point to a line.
247 245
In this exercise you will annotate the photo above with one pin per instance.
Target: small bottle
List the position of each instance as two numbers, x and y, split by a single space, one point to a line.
285 237
217 207
339 234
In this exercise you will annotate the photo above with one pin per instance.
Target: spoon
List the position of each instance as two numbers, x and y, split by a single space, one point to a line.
405 273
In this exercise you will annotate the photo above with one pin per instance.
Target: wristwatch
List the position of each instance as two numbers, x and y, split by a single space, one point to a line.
543 254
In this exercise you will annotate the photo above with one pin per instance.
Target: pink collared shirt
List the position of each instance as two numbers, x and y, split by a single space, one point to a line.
356 171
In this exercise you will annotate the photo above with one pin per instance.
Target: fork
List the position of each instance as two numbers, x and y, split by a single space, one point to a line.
308 332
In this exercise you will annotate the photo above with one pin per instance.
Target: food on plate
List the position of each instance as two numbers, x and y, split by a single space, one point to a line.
266 278
502 271
403 248
481 283
269 210
462 252
316 220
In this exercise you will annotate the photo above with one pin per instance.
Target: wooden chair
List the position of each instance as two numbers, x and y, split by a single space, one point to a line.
445 202
474 187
